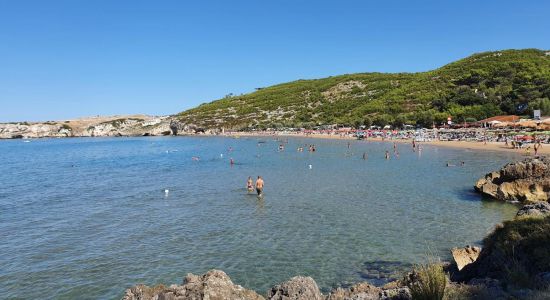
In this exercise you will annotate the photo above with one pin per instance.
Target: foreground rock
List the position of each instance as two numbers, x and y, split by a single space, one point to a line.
538 210
465 256
296 288
214 285
515 253
365 291
522 181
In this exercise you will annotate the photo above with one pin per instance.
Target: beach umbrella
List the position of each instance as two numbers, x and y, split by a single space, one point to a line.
501 124
528 124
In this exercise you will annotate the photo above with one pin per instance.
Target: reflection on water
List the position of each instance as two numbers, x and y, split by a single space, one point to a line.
92 216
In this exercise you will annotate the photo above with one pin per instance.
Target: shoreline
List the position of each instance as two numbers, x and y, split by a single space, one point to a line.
465 145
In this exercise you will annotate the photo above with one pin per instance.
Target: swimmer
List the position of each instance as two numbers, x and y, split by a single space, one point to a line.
249 185
450 165
196 158
260 186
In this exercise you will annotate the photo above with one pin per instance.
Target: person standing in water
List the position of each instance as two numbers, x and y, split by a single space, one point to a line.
260 186
249 184
365 155
231 162
387 154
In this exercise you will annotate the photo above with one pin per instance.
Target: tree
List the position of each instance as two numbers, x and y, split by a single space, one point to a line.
367 122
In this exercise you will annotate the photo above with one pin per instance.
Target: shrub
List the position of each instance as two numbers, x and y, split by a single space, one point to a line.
429 283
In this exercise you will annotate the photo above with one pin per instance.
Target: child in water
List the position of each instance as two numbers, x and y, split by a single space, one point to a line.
249 184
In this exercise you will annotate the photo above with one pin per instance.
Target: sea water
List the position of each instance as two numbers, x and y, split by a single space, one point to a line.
89 217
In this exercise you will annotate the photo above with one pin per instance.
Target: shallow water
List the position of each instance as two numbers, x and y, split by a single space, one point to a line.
87 218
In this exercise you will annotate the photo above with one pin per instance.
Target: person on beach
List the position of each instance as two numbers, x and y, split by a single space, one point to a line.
528 151
249 184
387 154
536 147
260 186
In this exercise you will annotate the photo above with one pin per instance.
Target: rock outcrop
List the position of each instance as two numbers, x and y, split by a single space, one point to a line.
296 288
135 125
465 256
365 291
522 181
516 252
214 285
537 209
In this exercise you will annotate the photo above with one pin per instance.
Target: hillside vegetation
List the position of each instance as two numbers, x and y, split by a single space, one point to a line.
470 89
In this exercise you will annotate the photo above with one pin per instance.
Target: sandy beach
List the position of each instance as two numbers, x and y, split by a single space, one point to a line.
466 145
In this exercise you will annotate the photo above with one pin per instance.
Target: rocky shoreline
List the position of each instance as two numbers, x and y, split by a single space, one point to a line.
133 125
526 181
513 263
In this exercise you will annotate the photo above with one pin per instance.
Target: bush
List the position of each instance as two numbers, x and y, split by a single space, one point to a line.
429 282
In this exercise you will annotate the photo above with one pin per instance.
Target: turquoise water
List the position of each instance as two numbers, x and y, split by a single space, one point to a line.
87 218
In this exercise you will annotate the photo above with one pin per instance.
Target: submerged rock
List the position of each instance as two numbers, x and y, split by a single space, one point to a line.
522 181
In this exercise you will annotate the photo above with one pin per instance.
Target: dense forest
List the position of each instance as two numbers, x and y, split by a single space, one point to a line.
480 86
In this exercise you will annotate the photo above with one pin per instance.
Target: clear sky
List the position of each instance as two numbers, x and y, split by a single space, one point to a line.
66 59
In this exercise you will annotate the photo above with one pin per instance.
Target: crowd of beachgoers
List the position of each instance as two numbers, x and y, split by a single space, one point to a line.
421 135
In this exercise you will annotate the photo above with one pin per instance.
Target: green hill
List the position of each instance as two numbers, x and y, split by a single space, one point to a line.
473 88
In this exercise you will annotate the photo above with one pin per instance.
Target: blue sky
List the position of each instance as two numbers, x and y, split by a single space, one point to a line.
66 59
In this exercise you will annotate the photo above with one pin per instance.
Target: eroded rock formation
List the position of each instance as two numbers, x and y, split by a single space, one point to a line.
522 181
135 125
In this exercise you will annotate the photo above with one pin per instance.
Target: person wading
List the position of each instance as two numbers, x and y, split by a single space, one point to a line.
260 186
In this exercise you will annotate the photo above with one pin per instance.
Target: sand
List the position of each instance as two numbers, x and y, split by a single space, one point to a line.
489 146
